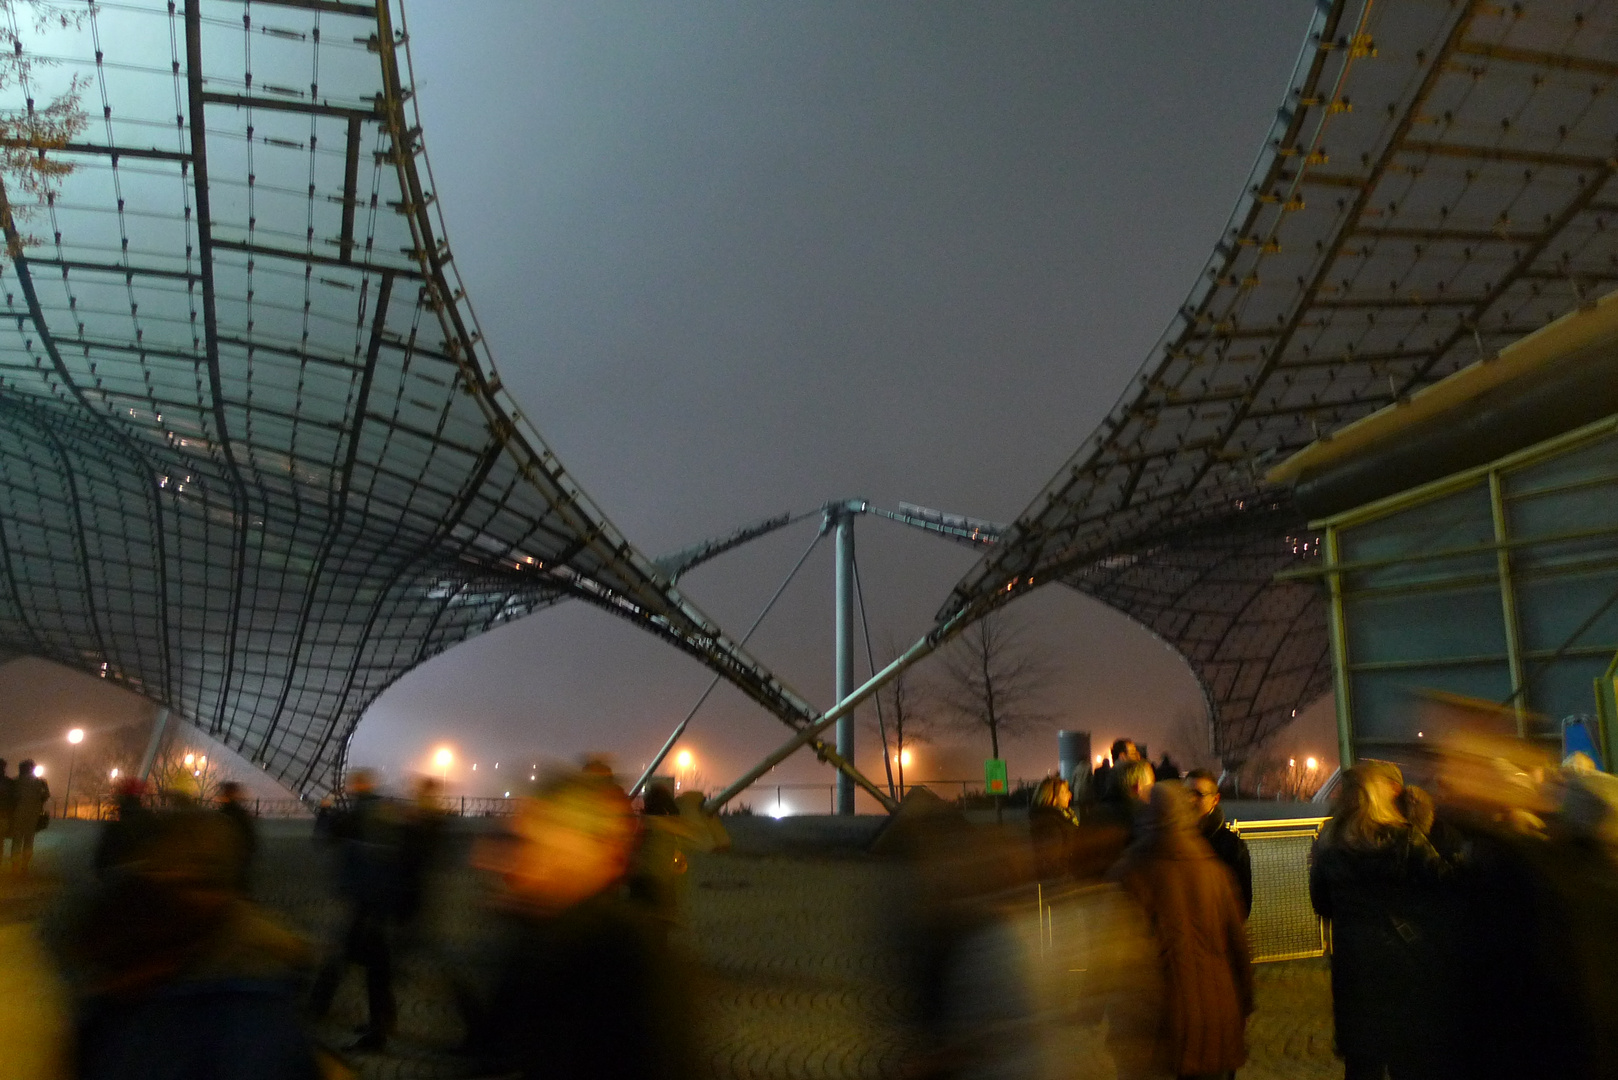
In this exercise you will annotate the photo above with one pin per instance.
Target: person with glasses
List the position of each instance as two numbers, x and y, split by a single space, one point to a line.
1226 843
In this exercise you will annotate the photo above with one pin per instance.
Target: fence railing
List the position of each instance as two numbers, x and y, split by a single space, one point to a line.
1283 925
105 809
775 800
784 800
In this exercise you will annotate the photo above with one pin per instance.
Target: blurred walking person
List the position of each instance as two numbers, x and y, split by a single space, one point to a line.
36 1009
672 829
1376 877
421 835
30 794
182 978
1112 824
368 866
1230 847
1532 923
122 836
1198 1026
8 802
587 988
233 808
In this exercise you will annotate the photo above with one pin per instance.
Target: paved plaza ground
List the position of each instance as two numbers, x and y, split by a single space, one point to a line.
793 960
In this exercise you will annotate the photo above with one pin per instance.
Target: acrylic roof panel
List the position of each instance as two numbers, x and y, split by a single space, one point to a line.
1437 182
254 459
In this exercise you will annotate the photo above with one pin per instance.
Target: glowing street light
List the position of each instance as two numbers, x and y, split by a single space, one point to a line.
683 759
443 758
190 759
74 738
39 771
1312 763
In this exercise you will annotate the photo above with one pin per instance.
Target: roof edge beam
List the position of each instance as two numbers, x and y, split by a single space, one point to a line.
329 7
311 258
253 101
351 174
1534 57
1467 152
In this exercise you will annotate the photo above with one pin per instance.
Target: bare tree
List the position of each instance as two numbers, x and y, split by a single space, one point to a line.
994 678
1190 739
908 713
185 772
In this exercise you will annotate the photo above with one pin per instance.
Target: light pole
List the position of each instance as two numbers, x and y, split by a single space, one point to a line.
74 738
442 759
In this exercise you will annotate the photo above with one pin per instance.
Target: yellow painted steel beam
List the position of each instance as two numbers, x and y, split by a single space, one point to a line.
1572 332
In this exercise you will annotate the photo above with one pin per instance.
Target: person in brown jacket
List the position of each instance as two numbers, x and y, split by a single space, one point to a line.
1196 1027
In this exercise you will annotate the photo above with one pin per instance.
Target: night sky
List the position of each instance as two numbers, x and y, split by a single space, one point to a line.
738 260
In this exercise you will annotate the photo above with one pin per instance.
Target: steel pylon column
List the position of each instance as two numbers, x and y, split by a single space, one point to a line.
845 651
840 517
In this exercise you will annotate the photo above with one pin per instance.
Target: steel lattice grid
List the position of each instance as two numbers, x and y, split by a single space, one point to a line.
1437 183
256 461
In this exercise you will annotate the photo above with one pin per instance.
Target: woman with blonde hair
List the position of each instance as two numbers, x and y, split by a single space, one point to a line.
1376 877
1052 826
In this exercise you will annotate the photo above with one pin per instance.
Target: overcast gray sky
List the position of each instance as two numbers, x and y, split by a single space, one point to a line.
737 259
740 259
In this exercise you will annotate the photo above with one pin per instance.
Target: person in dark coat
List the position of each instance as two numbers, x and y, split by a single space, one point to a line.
1109 826
182 978
367 836
123 836
1532 912
234 810
1103 784
1231 848
1053 827
587 987
1204 966
30 794
420 838
8 800
1377 879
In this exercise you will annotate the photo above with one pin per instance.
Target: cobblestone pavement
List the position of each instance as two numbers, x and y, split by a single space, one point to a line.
795 958
802 981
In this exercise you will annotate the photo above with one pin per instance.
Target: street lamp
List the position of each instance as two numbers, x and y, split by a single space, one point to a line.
1312 763
682 764
443 759
74 738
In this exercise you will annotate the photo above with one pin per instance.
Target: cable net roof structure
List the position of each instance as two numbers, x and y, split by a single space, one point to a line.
255 461
1438 181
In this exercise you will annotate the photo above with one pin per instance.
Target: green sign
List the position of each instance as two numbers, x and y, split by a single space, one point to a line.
994 776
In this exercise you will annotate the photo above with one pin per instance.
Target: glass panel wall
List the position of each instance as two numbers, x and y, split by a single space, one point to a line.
1500 584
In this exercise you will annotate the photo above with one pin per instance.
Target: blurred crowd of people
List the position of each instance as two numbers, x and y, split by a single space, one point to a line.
166 967
23 799
1474 930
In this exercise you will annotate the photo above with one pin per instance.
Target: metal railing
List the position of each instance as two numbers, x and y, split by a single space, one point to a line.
106 809
1070 923
775 800
1283 925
